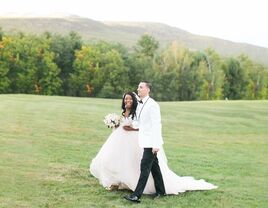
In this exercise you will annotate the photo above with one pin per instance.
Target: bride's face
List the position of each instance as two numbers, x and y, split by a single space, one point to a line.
128 101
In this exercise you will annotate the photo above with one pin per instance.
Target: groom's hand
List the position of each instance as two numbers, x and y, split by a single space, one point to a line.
155 150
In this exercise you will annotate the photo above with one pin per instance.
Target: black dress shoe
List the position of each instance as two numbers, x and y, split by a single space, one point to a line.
158 195
134 199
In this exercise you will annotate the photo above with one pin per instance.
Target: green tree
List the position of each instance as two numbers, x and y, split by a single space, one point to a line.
1 34
116 76
30 65
166 74
64 48
85 66
99 70
210 70
188 79
4 69
256 79
235 80
147 45
141 62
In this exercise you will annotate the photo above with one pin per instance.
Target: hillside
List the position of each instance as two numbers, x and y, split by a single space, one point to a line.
128 33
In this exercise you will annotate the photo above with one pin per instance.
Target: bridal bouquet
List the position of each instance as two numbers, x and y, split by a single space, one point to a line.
112 120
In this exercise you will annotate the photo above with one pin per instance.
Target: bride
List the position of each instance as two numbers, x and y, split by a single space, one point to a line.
117 164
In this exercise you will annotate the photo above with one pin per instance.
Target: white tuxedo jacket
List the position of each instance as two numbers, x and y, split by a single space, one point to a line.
149 124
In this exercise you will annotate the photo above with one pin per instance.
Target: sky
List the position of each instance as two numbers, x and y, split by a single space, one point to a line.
243 21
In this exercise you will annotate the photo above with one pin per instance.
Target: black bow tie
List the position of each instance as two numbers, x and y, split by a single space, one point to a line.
140 101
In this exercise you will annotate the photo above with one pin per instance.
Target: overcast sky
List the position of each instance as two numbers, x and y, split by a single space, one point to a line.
235 20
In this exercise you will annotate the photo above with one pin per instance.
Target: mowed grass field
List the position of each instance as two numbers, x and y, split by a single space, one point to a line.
47 144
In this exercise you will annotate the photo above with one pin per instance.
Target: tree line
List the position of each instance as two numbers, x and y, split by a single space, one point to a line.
53 64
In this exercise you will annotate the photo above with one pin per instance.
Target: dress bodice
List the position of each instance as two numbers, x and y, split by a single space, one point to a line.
126 121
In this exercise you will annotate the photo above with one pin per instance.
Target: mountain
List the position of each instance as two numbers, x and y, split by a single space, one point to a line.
128 33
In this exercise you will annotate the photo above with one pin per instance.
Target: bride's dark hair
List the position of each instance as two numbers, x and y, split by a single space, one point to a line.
134 104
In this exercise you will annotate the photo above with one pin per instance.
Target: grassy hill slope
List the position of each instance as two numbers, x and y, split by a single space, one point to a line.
47 144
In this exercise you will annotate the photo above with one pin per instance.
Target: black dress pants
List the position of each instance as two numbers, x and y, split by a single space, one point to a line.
149 163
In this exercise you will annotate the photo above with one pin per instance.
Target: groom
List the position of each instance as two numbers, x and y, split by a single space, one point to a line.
150 139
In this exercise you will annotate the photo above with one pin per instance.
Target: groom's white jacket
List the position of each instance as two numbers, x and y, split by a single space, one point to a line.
149 124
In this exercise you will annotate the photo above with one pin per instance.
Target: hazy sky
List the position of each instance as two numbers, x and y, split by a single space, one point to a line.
235 20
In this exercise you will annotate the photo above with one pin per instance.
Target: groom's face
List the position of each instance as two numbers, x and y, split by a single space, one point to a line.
143 90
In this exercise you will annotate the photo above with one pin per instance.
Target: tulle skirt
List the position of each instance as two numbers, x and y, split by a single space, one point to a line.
118 164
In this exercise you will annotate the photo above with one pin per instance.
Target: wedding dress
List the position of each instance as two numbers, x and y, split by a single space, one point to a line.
118 163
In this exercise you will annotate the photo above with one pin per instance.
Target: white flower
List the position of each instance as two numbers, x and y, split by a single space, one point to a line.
112 120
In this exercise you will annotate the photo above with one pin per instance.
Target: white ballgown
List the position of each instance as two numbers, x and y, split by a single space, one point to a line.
118 163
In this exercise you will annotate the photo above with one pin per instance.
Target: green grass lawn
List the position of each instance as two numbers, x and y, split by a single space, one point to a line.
47 143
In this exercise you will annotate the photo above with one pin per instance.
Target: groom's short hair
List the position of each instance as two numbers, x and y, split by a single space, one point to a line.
148 84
